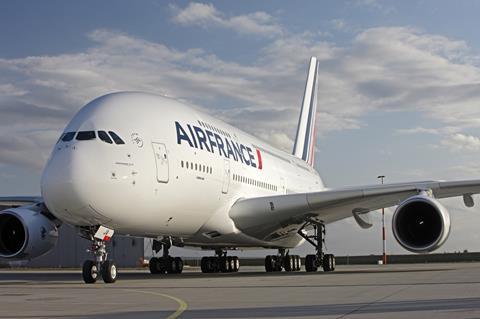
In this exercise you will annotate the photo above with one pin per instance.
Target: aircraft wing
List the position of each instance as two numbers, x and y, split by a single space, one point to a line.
278 216
16 201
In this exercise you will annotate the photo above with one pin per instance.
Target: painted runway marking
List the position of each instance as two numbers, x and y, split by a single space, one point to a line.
182 305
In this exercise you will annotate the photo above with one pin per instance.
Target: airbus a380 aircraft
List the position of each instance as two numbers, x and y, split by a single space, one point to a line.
145 165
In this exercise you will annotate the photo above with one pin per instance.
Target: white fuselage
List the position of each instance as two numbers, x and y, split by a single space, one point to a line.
178 173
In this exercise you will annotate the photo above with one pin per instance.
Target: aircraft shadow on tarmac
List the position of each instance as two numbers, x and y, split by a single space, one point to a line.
386 307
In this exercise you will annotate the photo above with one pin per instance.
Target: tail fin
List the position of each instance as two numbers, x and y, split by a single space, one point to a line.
305 140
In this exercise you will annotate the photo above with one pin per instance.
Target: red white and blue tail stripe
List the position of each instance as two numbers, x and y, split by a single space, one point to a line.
305 140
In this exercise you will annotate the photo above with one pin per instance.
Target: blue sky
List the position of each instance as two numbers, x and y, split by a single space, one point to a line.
399 83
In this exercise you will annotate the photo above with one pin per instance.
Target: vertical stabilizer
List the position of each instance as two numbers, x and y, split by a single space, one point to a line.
305 140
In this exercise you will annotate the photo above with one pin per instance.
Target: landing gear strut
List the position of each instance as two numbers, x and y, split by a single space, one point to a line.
101 266
220 263
283 260
166 263
317 240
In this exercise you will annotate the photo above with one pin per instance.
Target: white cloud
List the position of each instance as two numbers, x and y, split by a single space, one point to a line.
382 69
206 15
461 142
418 130
9 89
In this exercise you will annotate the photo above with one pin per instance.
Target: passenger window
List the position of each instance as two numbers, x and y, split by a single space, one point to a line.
182 164
67 137
104 137
85 135
116 138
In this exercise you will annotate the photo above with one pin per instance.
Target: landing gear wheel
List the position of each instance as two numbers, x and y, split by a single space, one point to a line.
169 264
236 263
299 262
230 264
178 262
89 272
288 263
269 263
153 265
203 265
311 263
109 272
278 263
328 263
209 264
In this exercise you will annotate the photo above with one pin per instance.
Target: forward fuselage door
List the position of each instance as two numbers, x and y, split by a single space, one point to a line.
161 161
226 176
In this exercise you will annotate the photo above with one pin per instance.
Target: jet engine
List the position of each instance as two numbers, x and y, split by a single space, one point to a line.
421 224
25 234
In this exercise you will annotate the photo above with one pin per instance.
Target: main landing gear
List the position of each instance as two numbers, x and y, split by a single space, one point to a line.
101 266
313 262
283 260
220 263
166 263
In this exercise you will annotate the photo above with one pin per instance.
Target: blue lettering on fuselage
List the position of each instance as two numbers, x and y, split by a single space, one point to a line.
214 143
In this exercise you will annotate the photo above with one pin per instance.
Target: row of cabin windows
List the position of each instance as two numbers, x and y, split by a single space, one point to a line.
109 137
213 128
254 182
196 167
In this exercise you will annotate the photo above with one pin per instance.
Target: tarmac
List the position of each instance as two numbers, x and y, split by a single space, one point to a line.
375 291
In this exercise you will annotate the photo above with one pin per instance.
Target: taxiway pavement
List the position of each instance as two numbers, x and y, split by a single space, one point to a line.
376 291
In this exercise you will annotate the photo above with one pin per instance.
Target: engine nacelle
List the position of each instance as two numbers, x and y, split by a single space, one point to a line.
421 224
25 234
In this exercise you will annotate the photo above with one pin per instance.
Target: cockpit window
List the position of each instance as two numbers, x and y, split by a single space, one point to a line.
116 138
67 137
60 138
104 137
85 135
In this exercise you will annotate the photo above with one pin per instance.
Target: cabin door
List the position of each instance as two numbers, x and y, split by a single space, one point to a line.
161 161
226 176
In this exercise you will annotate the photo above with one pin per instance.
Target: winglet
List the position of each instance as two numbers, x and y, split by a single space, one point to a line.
305 140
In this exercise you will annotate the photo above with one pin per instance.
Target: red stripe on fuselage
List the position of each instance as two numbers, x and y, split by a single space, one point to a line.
259 155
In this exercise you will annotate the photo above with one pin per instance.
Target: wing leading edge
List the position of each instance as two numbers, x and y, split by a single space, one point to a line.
17 201
262 217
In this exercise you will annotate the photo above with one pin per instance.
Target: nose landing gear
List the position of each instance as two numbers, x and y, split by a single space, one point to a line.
101 266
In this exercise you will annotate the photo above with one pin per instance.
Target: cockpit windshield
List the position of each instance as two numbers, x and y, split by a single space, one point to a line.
116 138
104 137
85 135
110 137
67 137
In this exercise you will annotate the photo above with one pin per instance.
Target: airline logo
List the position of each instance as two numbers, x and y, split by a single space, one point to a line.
211 142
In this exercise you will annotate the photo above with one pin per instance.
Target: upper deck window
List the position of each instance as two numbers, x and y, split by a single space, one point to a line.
104 137
67 137
85 135
116 138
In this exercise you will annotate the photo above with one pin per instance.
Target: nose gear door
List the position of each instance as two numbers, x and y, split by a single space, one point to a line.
161 161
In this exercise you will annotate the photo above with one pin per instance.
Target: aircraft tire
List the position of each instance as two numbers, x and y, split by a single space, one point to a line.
311 263
89 272
109 272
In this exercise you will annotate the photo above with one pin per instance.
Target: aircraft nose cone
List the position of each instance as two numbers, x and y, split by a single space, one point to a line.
69 187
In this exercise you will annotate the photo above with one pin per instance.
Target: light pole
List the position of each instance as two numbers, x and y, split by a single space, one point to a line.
384 256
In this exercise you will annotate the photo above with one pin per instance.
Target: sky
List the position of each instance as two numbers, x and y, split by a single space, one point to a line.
399 85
